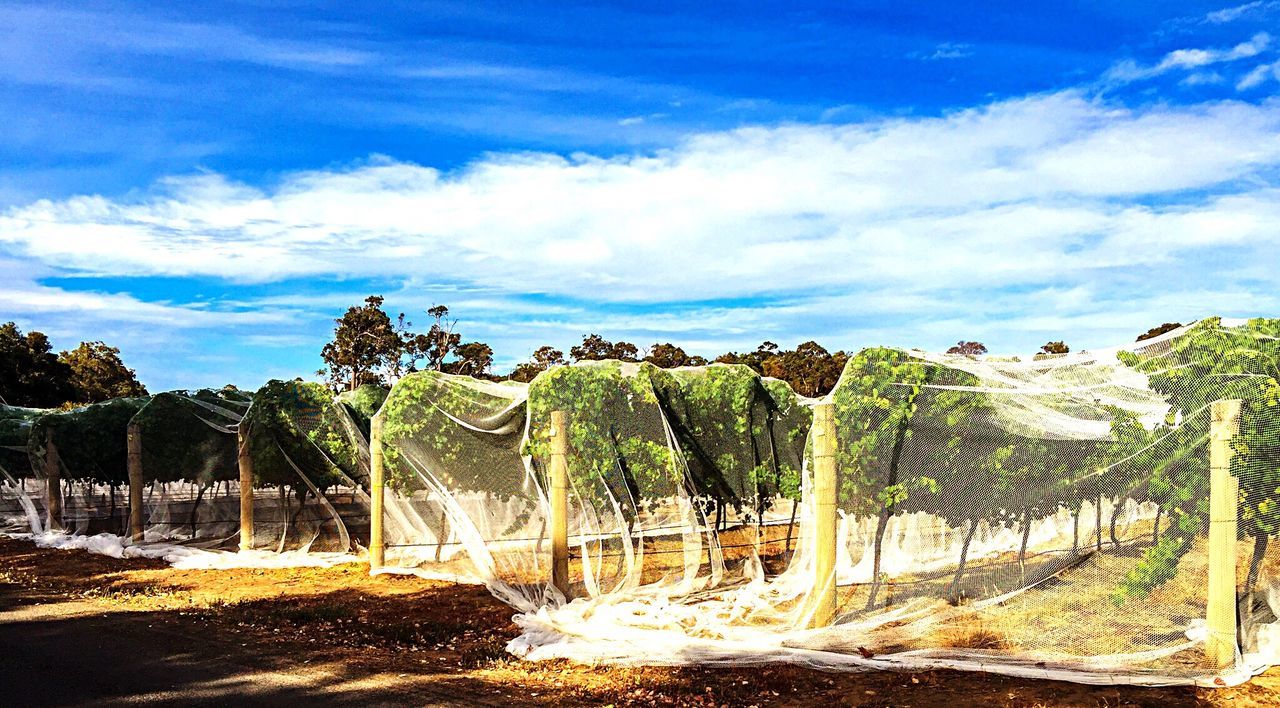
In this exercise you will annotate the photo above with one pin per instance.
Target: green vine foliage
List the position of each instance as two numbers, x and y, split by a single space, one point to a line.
896 435
15 429
299 422
741 436
792 421
91 440
363 403
1207 363
181 439
421 432
619 450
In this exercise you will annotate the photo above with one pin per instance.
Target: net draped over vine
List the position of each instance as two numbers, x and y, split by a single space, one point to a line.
309 453
17 483
312 449
1045 515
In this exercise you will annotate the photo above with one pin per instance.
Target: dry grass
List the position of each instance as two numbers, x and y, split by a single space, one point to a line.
969 632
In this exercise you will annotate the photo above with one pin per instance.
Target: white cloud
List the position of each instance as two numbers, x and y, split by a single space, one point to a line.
1258 75
1026 216
1231 14
1186 59
750 211
1203 78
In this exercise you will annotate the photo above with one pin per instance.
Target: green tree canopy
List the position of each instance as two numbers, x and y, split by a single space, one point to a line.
294 429
365 343
543 358
15 429
597 348
190 435
98 374
754 360
30 373
669 356
1210 362
967 348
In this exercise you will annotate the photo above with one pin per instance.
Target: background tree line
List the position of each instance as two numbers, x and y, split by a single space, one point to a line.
32 375
369 346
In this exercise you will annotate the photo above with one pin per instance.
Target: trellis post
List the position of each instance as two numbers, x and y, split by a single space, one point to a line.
1220 642
558 471
246 491
52 481
134 441
377 500
824 514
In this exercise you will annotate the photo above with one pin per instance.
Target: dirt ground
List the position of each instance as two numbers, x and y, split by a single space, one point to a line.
79 629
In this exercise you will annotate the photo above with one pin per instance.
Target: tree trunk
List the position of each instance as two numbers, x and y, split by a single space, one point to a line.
878 548
711 540
444 533
284 516
1026 535
1255 566
954 592
302 504
1097 518
899 441
1115 512
1155 533
195 509
1075 532
791 527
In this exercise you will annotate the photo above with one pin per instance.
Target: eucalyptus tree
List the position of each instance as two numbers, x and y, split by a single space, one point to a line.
544 357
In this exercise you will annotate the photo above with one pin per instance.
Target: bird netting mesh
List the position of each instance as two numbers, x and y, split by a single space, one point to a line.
1048 516
311 450
1059 516
82 454
186 442
17 484
69 472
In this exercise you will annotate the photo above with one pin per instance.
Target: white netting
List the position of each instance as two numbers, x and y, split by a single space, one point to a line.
1046 516
67 475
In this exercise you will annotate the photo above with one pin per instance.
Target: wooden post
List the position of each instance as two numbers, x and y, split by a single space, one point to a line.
1220 643
377 548
558 470
824 515
136 483
52 481
246 492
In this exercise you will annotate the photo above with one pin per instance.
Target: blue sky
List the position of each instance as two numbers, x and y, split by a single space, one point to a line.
208 185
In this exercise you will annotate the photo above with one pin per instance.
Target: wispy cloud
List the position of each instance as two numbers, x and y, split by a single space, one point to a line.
945 50
1259 75
1127 71
1203 78
1231 14
49 45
